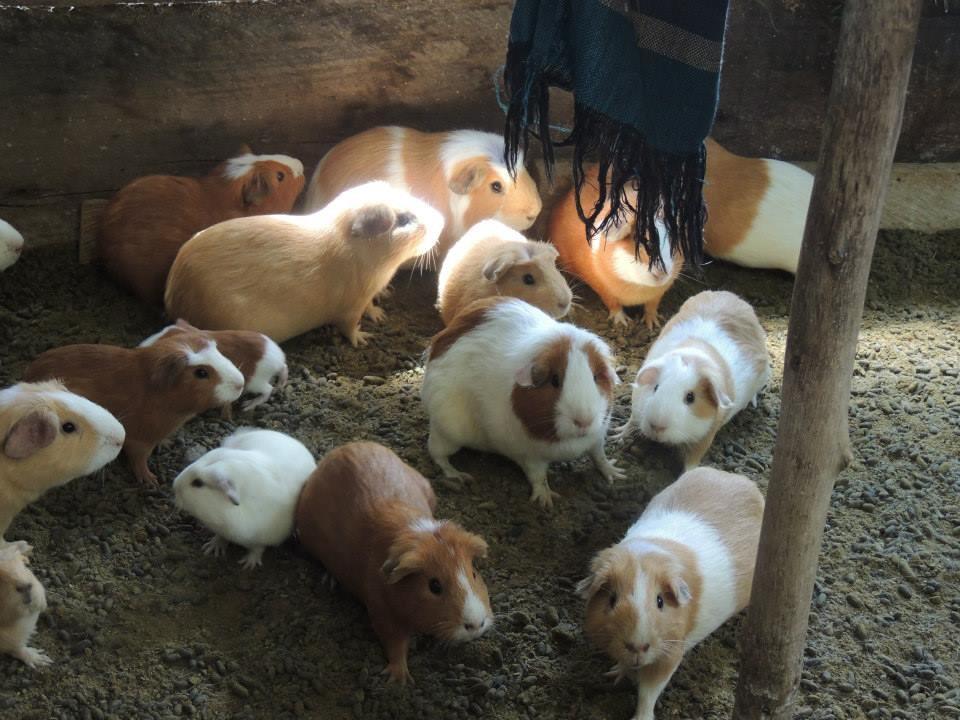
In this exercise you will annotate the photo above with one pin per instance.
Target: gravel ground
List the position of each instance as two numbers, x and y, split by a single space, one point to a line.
142 625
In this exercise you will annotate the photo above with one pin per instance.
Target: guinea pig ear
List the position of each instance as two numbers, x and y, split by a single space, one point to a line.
30 434
601 568
532 375
402 560
467 177
372 220
497 266
650 375
227 487
678 592
475 545
710 385
244 150
167 369
255 188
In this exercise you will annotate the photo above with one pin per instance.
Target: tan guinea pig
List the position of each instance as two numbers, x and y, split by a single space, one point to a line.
368 517
460 172
150 218
681 571
494 260
22 599
609 263
283 275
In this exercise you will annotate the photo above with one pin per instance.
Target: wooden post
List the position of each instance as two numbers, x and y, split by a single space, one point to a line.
813 443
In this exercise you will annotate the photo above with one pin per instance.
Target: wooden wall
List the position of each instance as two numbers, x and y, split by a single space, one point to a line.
94 93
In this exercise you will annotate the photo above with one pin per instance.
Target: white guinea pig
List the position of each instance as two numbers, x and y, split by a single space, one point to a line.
505 377
492 259
679 573
246 490
22 599
11 244
709 361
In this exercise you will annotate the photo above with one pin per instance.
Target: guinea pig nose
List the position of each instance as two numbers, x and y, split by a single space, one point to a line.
644 647
630 647
658 428
469 626
582 423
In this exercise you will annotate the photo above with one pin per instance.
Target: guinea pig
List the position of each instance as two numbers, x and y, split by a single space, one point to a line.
260 360
152 390
245 491
610 264
492 259
148 220
283 275
49 436
682 570
368 517
709 361
505 377
460 172
11 245
757 209
22 599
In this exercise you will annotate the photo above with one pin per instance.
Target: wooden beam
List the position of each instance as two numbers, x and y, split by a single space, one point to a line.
864 117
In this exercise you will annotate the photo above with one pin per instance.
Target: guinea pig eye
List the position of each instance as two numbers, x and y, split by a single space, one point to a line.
201 373
497 187
280 176
435 587
68 427
197 482
689 398
656 387
659 602
528 279
555 380
613 600
404 218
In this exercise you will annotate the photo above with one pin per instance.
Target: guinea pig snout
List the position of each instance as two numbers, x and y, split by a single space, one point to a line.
637 652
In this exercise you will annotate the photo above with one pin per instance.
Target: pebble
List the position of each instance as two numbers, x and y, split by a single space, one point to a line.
373 380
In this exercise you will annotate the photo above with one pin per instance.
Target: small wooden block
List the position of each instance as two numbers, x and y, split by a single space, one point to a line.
90 211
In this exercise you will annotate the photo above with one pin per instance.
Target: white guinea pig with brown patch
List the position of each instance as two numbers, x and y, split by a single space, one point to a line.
460 172
368 517
505 377
757 209
11 245
681 571
708 363
22 599
492 259
49 436
283 275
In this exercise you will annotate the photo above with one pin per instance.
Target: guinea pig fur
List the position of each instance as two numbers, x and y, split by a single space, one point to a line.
709 361
246 490
505 377
22 599
368 517
11 245
681 571
49 436
283 275
260 360
460 172
492 259
610 264
152 390
149 219
757 209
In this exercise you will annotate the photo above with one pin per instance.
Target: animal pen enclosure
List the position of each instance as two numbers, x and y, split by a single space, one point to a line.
142 625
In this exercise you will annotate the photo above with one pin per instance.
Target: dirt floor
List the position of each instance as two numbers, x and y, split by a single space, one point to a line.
142 625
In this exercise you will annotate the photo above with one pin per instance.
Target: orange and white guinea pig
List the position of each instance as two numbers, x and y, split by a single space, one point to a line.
150 218
11 244
681 571
460 172
756 209
610 263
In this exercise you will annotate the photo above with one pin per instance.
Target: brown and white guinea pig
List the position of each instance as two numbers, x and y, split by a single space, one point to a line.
11 245
756 209
460 172
610 263
368 517
492 259
149 219
505 377
152 390
709 361
49 436
283 275
22 599
260 359
681 571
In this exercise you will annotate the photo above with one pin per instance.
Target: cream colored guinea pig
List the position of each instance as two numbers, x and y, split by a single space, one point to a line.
461 173
22 599
11 244
681 571
492 259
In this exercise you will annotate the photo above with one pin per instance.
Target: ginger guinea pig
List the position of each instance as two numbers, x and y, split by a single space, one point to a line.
709 361
460 172
368 517
260 360
492 259
505 377
149 219
152 390
609 263
681 571
756 209
11 245
22 599
49 436
283 275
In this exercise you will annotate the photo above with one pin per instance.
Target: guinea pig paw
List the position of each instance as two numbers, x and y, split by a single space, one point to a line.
256 401
359 337
215 546
375 313
620 318
32 657
611 472
252 559
387 292
544 496
398 673
652 321
616 673
622 432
